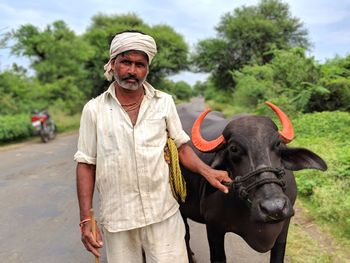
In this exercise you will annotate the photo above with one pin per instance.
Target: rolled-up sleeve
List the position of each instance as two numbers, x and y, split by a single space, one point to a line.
87 135
174 126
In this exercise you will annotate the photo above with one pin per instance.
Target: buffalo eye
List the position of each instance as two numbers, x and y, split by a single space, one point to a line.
234 149
278 144
235 152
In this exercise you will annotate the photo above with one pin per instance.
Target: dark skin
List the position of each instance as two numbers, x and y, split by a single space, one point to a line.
85 189
133 63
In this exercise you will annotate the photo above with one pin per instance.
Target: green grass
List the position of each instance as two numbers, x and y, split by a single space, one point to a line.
302 248
320 246
326 193
65 122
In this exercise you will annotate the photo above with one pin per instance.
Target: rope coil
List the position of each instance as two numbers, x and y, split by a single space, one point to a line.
177 182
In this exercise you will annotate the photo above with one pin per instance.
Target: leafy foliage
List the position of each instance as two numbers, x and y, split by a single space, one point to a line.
55 53
20 93
180 90
15 127
247 36
58 57
335 76
290 80
172 53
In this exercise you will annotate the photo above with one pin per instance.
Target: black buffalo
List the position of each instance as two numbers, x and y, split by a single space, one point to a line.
260 203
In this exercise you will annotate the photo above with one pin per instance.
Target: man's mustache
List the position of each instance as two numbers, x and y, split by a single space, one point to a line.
131 77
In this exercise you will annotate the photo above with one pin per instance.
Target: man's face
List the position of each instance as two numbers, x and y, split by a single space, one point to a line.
130 69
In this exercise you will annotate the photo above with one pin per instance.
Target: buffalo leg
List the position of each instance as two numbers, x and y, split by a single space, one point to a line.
190 254
216 239
277 253
279 248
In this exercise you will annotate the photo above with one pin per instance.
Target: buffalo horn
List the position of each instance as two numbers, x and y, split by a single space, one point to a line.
287 133
197 139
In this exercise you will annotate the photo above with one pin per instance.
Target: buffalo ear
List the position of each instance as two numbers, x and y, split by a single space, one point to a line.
296 159
218 160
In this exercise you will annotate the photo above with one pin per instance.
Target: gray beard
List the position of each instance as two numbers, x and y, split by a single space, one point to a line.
129 86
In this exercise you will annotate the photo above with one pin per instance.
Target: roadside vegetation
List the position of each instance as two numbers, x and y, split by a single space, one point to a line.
68 69
258 54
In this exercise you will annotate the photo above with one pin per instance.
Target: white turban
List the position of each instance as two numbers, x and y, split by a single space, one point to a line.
130 41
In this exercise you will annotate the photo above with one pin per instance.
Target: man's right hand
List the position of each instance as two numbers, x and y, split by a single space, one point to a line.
88 239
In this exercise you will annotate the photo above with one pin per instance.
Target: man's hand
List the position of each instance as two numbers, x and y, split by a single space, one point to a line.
88 239
192 162
216 178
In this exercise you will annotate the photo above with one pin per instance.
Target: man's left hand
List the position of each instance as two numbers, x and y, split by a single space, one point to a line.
216 178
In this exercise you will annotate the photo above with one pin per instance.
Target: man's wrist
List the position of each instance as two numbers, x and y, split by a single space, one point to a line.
204 170
82 223
84 214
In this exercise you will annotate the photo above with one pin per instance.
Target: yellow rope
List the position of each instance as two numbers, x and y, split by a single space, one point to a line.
177 182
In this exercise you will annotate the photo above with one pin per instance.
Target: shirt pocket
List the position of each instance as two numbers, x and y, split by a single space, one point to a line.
154 132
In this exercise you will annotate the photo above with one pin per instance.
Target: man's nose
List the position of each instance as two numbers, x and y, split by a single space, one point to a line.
132 69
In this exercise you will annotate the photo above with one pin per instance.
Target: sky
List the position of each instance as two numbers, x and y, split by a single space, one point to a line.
328 22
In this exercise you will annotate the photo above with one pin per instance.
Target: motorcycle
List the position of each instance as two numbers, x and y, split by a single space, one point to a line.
44 125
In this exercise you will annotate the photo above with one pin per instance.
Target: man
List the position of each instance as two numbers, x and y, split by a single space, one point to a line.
121 149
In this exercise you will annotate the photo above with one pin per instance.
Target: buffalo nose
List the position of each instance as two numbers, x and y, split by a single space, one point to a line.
274 208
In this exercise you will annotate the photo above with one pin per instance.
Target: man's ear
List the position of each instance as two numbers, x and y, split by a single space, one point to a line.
113 63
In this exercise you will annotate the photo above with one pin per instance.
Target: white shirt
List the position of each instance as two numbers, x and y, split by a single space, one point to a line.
132 177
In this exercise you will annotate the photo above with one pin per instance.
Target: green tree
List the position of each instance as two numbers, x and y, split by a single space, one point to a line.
59 59
290 80
335 76
199 88
183 90
3 38
248 36
170 59
180 90
20 93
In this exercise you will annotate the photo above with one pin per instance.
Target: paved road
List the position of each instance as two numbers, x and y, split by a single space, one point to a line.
39 210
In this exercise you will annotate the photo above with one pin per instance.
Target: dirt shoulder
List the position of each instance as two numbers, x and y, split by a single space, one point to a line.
309 243
32 140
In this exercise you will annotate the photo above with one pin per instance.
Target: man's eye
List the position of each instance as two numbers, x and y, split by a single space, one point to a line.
126 62
140 65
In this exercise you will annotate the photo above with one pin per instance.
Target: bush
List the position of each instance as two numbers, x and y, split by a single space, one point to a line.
290 75
14 127
335 78
183 91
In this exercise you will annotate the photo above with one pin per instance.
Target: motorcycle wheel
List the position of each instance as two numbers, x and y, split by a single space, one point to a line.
52 132
44 134
44 137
